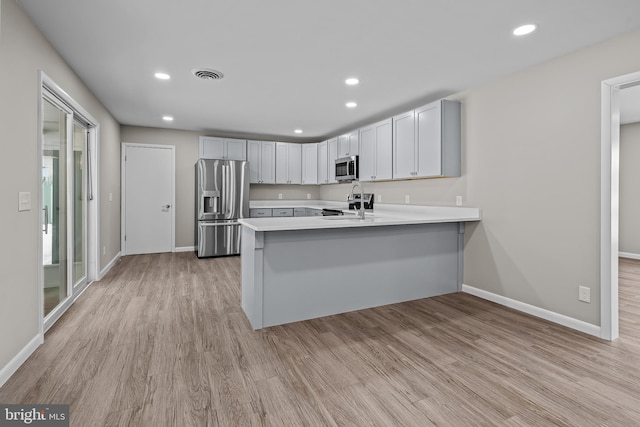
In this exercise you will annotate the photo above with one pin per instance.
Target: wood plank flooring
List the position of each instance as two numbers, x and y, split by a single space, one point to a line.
162 341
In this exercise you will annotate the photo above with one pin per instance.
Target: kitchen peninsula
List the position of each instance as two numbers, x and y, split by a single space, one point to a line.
302 268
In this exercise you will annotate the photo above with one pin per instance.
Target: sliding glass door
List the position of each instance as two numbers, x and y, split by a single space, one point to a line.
79 202
64 201
54 193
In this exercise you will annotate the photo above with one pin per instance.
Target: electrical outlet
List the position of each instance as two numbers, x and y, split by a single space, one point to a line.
458 200
308 196
407 199
111 197
279 195
584 294
379 198
104 250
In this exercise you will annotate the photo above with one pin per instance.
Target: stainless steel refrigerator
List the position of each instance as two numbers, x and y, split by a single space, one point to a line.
222 197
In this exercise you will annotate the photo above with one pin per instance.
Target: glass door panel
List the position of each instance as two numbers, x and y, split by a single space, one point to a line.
54 192
79 204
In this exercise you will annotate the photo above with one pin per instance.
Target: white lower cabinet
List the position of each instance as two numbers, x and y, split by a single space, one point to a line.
288 163
310 164
376 151
262 162
260 213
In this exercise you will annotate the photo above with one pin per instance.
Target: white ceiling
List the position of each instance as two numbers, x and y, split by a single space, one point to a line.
285 61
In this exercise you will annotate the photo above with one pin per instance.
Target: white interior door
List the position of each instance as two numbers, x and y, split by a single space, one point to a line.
148 211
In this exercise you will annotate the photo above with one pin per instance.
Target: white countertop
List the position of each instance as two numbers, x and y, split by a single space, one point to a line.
383 215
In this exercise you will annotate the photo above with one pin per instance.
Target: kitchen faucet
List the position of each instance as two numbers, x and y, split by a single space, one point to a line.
358 184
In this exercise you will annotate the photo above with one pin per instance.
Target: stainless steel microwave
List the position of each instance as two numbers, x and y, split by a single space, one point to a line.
347 169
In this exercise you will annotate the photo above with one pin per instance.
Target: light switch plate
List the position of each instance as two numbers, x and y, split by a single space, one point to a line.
24 201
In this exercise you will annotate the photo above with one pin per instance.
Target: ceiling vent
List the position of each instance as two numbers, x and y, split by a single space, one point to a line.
207 74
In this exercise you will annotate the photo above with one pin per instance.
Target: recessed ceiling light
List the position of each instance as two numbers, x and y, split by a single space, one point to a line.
352 81
162 76
167 118
351 105
298 131
524 30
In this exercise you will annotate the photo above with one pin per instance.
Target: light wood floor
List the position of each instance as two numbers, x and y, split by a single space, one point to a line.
162 341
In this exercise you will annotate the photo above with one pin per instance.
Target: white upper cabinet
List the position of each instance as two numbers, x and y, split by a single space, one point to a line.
262 162
404 146
332 148
288 163
223 148
348 144
426 141
323 162
376 151
309 164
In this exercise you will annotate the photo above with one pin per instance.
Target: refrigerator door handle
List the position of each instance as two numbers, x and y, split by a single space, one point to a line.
226 184
218 224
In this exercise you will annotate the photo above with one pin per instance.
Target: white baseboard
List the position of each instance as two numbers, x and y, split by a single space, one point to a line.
628 255
551 316
185 249
20 358
109 266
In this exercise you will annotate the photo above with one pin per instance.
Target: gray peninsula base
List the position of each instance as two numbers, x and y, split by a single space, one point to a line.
294 275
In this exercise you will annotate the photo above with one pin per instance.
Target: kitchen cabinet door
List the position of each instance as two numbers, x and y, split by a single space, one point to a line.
348 144
268 162
384 150
343 145
282 163
295 163
354 146
323 162
367 154
309 164
332 148
262 161
376 151
235 149
404 147
254 155
211 148
223 148
288 163
438 139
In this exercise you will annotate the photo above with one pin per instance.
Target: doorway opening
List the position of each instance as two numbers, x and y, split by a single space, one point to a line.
610 206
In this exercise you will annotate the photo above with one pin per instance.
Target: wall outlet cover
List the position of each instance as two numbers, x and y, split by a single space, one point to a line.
458 200
584 294
279 195
407 199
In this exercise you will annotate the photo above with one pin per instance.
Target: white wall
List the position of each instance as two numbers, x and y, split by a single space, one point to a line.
24 51
630 189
